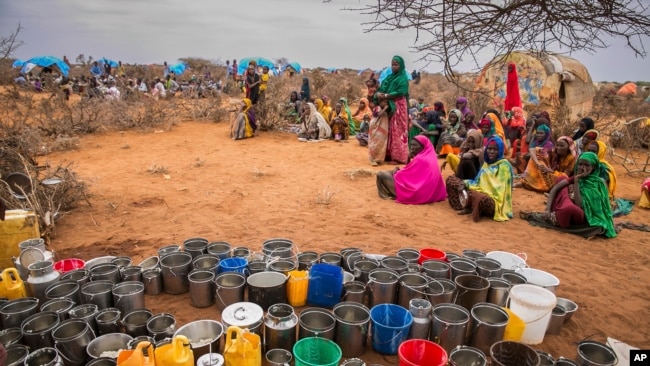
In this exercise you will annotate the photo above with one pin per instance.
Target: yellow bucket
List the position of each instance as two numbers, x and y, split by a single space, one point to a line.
11 285
297 288
515 328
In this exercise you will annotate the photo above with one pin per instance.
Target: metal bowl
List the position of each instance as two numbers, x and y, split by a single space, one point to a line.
200 331
570 306
112 342
99 260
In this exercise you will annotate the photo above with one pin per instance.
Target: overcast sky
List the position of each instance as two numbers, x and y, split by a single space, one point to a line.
309 32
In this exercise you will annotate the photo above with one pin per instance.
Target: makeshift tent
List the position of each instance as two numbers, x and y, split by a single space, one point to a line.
104 60
260 61
296 66
43 61
18 63
387 71
546 82
178 68
627 89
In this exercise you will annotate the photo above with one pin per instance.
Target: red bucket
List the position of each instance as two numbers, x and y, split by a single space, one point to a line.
418 352
69 264
430 253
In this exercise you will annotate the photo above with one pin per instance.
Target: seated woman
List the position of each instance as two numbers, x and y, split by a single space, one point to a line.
362 111
455 132
351 125
315 127
608 174
323 107
413 109
515 124
242 126
490 193
419 182
520 149
293 109
589 213
468 162
644 201
545 165
429 125
340 124
491 126
585 125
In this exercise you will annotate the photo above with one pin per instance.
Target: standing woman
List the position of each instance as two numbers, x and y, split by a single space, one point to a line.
395 88
252 83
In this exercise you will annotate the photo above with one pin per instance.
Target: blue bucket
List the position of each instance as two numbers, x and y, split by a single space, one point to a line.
325 285
390 327
234 264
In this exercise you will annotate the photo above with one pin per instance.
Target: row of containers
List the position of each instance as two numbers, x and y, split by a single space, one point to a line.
456 302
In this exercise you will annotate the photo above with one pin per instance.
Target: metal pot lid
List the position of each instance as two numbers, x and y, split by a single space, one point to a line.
51 181
242 314
210 359
30 255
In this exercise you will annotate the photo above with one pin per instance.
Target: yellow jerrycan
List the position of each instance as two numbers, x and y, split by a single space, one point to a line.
177 353
12 286
136 357
243 348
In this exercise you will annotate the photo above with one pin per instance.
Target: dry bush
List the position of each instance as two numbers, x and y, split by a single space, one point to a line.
157 169
49 201
203 109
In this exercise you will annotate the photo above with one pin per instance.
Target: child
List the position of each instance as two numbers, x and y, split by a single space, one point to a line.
264 80
362 135
378 133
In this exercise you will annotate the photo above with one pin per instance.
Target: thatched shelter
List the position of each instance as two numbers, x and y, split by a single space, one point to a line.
551 82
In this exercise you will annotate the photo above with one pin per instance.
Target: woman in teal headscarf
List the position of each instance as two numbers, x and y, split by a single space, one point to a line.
590 204
395 88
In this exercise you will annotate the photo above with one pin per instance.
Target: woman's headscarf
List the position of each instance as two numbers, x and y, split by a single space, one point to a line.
608 170
497 126
496 141
572 145
547 143
589 125
471 126
513 99
518 118
545 115
316 119
365 111
396 83
413 103
458 114
477 137
595 198
420 181
592 134
465 109
348 113
495 180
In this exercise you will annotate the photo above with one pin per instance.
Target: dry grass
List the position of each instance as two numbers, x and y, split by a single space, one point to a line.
359 173
154 168
324 196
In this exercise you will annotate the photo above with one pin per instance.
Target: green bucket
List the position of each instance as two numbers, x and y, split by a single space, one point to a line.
313 351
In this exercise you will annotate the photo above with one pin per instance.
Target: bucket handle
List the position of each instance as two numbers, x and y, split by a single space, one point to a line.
523 256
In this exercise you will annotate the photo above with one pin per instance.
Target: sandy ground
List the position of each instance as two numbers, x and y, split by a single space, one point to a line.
245 192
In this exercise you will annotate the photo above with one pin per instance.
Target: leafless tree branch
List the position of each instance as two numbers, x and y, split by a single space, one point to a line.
454 31
10 43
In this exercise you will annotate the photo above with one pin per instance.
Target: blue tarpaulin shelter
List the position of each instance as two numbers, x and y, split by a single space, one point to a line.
104 60
18 63
260 61
43 61
387 71
178 69
294 65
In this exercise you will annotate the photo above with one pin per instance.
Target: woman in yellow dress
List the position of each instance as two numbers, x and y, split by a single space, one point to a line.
241 128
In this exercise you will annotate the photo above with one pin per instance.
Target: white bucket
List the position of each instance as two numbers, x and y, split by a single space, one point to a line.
540 278
509 261
534 305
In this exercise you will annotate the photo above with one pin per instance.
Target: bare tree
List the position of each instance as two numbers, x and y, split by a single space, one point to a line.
455 31
10 43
